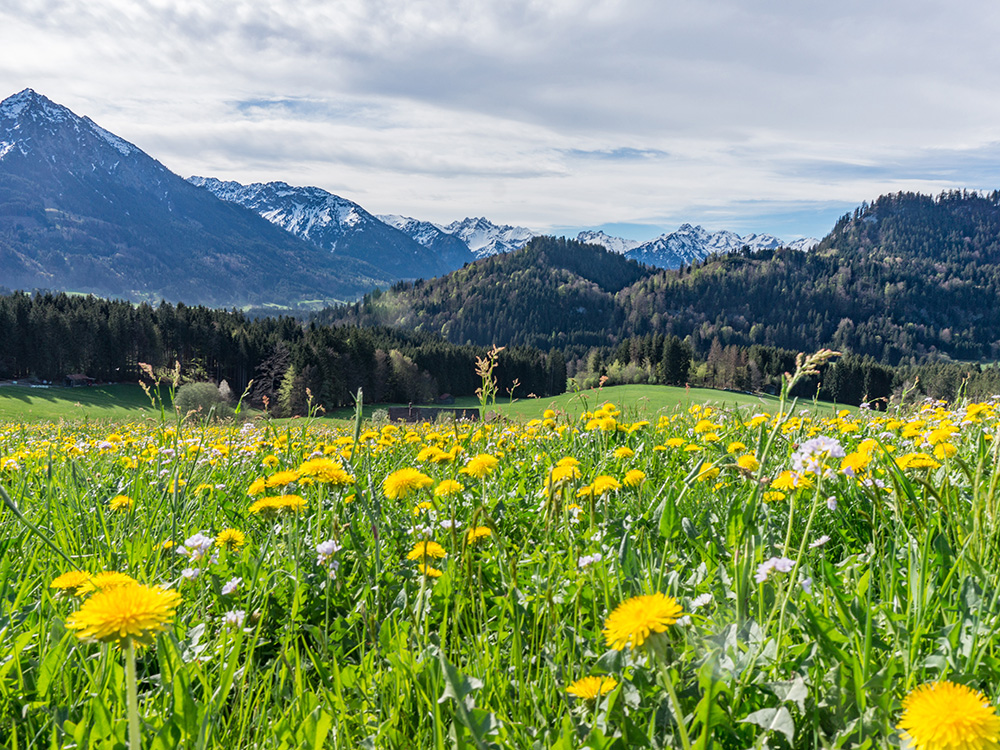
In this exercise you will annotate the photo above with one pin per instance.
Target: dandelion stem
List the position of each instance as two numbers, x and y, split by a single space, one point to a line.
132 704
676 706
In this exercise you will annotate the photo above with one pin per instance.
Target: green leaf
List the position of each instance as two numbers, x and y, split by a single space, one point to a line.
773 720
794 691
458 686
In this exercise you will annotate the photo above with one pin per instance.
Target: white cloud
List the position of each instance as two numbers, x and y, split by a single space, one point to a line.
555 113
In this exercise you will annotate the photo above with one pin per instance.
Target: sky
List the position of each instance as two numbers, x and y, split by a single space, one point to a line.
632 116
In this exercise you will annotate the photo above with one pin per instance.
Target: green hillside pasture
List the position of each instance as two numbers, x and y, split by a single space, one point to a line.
128 401
640 401
123 401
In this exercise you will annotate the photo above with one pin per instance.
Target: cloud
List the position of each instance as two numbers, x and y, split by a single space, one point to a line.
622 153
545 113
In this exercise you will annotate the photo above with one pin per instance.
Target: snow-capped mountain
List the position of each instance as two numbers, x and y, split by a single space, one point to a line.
332 223
25 112
452 250
618 245
83 210
693 243
484 238
804 244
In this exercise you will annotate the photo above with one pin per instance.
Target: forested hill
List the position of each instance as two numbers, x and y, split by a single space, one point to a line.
551 293
903 279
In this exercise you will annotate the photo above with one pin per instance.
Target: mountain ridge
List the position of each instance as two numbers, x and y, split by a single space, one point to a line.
84 210
332 223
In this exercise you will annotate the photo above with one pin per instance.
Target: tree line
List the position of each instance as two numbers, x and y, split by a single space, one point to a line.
47 336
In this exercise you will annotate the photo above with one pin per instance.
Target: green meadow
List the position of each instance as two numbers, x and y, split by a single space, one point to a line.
711 576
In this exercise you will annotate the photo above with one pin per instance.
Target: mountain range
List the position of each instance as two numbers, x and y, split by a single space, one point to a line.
83 210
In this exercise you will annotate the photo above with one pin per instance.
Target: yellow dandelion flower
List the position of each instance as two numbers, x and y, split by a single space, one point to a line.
404 482
73 580
944 450
636 619
231 539
789 480
773 496
430 572
480 532
748 462
624 452
424 550
634 478
269 506
122 503
105 580
257 486
604 484
548 414
326 471
448 487
916 461
947 716
592 688
735 447
282 478
270 461
561 475
707 475
134 612
675 442
856 461
567 461
481 466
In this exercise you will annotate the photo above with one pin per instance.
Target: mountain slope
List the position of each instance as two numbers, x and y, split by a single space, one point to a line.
452 250
484 238
333 223
552 292
83 210
618 245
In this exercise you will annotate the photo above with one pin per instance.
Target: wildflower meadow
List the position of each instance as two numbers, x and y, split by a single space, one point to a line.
704 578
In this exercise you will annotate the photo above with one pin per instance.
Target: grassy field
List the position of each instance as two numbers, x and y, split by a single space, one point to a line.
120 402
643 401
702 579
124 402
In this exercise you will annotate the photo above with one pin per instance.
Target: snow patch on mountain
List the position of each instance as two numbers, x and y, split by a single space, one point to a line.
618 245
420 231
121 146
36 106
485 238
307 212
804 244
